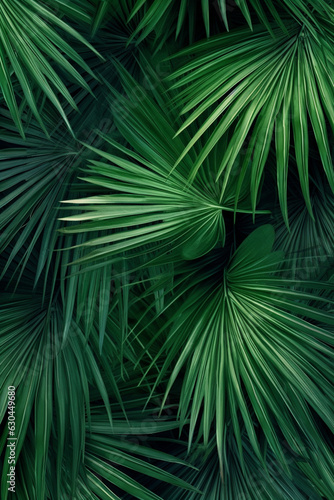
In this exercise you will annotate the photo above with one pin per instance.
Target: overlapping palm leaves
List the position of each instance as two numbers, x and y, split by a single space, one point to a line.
149 299
220 334
308 246
253 481
28 44
48 379
154 202
36 174
262 86
65 426
167 17
242 338
115 445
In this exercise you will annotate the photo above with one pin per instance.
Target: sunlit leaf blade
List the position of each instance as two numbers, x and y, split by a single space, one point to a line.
263 85
148 197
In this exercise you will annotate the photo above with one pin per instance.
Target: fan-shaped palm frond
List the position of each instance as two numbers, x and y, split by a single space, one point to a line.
262 87
164 17
112 43
57 380
50 378
154 202
252 482
243 338
29 42
109 448
35 175
161 344
308 246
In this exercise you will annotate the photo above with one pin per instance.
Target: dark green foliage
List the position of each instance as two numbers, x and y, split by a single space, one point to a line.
166 267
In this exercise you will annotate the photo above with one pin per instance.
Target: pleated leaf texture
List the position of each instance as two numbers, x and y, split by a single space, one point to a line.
166 249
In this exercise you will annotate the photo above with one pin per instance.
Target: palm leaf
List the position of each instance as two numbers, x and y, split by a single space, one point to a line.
243 339
44 371
251 483
157 352
28 42
166 17
152 199
263 85
308 245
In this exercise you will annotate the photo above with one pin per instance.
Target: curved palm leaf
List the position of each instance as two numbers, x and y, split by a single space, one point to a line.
264 87
253 482
163 17
35 176
149 197
52 385
308 246
232 349
29 47
243 339
109 448
78 11
278 10
76 445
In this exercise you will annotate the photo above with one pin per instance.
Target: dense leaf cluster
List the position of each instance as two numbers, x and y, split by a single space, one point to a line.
167 232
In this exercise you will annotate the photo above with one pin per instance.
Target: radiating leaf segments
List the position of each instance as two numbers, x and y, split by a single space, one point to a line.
28 42
267 86
244 340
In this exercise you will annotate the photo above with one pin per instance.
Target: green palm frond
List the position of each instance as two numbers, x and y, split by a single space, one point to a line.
102 9
163 342
149 197
281 10
266 89
29 42
242 338
112 44
167 17
76 11
253 482
308 246
110 448
50 378
61 426
35 176
37 173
